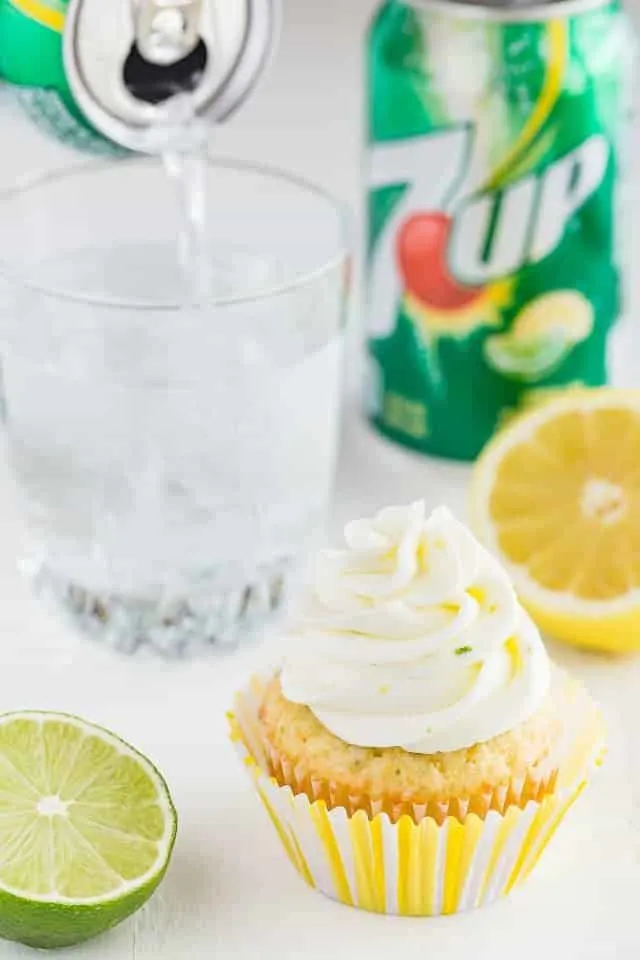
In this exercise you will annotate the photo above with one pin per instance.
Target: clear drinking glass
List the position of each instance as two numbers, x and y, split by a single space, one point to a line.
174 458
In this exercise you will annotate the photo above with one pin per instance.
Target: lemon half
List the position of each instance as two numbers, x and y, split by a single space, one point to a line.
556 495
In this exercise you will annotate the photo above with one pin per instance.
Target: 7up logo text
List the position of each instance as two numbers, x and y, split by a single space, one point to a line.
449 236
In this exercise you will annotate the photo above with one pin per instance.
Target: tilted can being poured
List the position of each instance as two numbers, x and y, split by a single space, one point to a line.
495 159
97 75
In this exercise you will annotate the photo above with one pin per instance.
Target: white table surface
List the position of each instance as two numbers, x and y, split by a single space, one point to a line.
230 891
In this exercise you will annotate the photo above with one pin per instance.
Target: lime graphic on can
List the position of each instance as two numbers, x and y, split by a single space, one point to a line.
542 336
495 139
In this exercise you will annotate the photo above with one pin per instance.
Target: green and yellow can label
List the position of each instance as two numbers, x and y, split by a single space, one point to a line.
493 211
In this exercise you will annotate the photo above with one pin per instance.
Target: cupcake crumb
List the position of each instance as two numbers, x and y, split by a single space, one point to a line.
292 730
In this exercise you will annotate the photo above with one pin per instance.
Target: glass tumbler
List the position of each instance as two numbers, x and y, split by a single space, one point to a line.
173 454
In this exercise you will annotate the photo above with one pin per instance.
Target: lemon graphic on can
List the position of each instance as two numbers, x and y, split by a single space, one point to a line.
541 337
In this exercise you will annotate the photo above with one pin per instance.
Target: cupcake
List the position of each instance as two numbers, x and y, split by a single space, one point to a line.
417 749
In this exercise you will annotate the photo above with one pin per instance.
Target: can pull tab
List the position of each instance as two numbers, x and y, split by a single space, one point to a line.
166 30
168 55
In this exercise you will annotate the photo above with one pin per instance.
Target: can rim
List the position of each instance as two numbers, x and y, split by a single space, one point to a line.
471 10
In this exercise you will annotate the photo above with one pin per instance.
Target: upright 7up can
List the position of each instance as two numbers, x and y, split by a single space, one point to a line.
494 206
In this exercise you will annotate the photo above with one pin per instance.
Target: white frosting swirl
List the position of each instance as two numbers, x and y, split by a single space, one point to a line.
413 637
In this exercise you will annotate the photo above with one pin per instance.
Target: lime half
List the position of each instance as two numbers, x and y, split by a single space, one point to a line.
87 827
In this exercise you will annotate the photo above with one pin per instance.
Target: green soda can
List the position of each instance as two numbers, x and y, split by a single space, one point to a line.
31 36
496 140
98 75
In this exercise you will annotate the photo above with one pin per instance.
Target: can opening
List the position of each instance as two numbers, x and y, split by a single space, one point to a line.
155 83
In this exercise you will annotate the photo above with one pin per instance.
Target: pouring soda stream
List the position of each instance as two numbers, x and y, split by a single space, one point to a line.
152 79
189 64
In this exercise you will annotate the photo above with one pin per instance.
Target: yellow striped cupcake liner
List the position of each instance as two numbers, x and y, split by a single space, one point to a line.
407 868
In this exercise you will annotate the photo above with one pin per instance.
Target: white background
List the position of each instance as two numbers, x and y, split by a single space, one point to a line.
230 891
